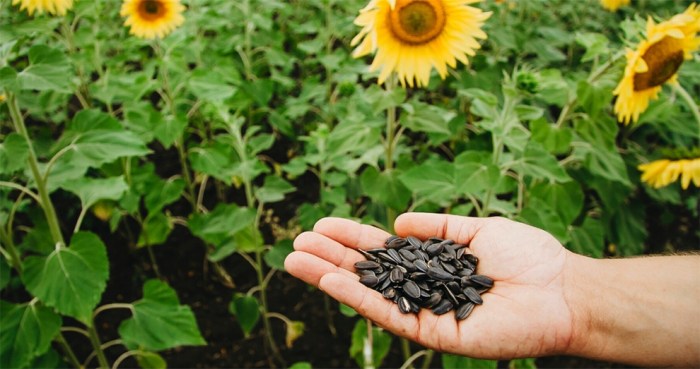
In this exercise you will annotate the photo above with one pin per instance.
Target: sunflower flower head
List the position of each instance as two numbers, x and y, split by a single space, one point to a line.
663 172
151 19
656 61
613 5
411 37
58 7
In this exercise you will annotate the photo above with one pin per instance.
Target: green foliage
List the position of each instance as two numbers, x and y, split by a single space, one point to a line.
246 310
27 331
252 121
159 322
450 361
381 343
70 279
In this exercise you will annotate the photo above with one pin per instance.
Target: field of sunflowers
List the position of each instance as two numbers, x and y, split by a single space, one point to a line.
158 158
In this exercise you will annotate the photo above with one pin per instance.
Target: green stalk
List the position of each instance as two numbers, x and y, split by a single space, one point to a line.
46 203
11 251
68 351
263 306
406 351
692 105
391 128
97 345
427 359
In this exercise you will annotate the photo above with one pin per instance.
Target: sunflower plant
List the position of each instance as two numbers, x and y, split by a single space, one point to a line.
132 130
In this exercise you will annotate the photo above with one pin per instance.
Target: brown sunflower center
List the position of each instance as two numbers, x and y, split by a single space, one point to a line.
151 9
417 21
663 60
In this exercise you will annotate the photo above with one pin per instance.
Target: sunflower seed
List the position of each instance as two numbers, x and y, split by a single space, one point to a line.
396 275
404 305
367 264
369 280
481 280
464 310
411 289
473 295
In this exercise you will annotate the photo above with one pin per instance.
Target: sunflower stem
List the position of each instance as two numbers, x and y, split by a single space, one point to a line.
45 203
692 105
68 351
391 136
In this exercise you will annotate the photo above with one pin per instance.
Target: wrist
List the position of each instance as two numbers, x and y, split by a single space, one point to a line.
581 277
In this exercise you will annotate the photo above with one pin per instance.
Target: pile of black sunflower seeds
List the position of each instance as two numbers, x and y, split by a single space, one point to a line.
436 274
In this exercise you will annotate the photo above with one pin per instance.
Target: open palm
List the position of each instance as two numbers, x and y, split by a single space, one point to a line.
525 314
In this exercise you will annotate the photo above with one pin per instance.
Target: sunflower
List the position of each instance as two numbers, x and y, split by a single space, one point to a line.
50 6
613 5
413 36
152 18
661 173
655 62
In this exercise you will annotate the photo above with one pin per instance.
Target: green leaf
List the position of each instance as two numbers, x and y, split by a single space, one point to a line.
433 180
5 275
155 230
596 45
70 279
475 172
92 119
210 85
49 359
381 343
567 196
554 139
536 162
423 117
274 189
159 322
221 223
588 239
541 214
49 70
249 240
385 188
8 79
247 311
14 152
260 90
626 228
163 193
91 190
347 310
522 364
216 160
27 332
301 365
96 147
150 360
275 257
450 361
169 129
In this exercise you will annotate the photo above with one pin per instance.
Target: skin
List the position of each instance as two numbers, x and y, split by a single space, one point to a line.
546 300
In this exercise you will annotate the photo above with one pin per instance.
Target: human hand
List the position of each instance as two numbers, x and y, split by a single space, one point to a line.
525 314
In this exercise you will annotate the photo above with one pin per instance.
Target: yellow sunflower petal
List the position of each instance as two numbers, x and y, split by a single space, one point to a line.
151 19
58 7
411 37
613 5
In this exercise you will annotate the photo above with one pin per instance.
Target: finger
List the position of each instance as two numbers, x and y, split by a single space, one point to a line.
351 233
327 249
369 303
423 225
310 268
